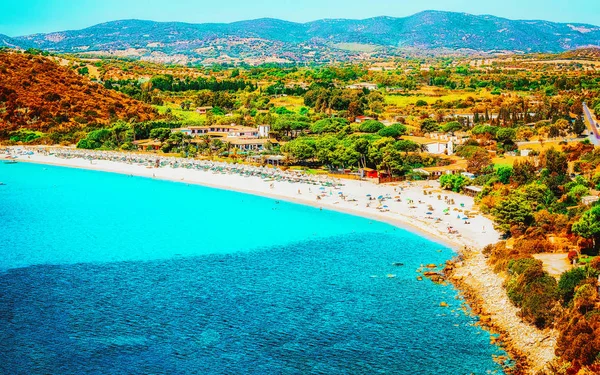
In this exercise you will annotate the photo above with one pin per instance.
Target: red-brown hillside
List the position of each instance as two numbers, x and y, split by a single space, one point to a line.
38 94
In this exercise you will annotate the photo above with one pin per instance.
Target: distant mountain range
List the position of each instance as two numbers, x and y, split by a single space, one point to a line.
321 40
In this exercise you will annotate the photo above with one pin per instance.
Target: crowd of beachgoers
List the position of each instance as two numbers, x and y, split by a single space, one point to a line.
156 161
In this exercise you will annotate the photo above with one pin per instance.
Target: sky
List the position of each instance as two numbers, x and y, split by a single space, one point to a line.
24 17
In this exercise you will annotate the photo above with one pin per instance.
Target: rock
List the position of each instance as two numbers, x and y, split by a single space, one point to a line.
443 304
431 266
420 278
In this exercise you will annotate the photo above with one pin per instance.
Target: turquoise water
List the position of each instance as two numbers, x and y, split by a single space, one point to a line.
105 273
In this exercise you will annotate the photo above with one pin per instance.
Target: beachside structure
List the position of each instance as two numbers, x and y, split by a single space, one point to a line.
368 173
219 131
148 144
249 144
472 191
434 173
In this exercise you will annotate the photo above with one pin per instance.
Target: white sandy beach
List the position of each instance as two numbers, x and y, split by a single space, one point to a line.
404 204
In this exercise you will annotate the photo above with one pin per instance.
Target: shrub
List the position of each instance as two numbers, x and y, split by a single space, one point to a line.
533 290
568 282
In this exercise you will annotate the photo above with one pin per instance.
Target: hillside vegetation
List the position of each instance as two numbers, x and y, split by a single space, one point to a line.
38 94
318 40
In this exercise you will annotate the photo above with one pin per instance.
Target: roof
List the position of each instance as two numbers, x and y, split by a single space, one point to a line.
473 188
249 141
147 142
451 167
244 129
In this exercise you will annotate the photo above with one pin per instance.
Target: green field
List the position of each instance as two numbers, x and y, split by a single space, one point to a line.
406 100
190 117
293 103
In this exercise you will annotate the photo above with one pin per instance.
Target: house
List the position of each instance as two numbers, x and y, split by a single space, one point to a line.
249 144
148 144
588 200
439 148
203 110
362 85
360 119
219 131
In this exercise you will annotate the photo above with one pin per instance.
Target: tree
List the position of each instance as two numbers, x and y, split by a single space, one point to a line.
394 131
391 161
578 126
513 210
429 126
328 125
577 192
569 280
504 174
406 146
480 162
452 127
160 133
523 172
371 126
300 149
454 182
588 226
506 135
555 162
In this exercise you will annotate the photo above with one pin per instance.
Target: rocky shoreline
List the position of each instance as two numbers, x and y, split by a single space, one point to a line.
531 349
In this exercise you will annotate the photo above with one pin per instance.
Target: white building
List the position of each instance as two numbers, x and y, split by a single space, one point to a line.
362 85
440 148
264 131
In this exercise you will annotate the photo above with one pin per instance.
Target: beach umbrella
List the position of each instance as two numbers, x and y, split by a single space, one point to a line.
322 188
340 193
380 197
429 213
385 206
465 218
368 195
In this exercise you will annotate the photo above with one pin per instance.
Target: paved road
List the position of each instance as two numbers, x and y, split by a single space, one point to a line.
592 125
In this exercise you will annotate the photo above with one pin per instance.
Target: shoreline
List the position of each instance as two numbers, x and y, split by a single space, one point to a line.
482 288
401 224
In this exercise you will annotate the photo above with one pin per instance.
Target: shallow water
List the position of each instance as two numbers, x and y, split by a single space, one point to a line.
105 273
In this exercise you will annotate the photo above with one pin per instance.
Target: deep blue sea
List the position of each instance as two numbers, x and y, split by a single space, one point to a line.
103 273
